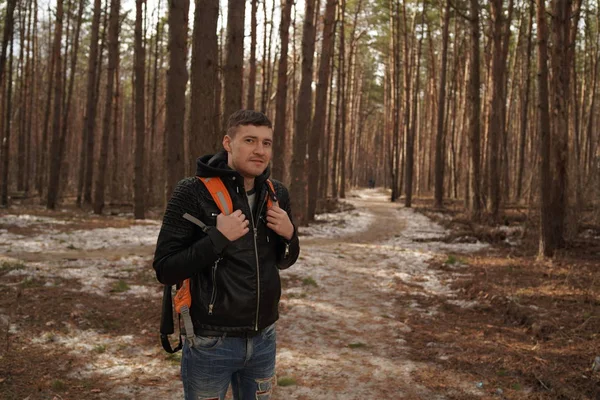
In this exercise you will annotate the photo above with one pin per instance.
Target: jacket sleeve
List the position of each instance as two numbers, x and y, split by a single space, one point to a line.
183 249
287 250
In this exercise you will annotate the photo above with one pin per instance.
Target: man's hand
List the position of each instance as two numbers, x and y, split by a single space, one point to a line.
279 222
233 226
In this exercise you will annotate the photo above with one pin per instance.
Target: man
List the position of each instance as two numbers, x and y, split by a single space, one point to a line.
233 267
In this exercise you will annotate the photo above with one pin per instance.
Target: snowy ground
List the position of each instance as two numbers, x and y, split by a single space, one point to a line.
339 335
49 238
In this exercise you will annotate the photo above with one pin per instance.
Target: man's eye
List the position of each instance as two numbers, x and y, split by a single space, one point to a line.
267 144
249 140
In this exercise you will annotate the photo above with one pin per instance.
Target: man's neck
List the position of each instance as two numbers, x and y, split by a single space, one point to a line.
248 184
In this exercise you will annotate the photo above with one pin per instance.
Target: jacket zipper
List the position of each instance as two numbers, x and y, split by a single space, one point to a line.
255 229
213 297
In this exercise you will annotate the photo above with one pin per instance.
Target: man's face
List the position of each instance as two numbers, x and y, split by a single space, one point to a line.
250 150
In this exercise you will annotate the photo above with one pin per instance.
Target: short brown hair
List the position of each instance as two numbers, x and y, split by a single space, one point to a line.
246 117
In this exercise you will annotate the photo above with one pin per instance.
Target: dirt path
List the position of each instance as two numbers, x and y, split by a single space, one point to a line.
342 336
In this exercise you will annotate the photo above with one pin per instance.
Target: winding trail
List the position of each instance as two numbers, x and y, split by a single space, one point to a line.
342 339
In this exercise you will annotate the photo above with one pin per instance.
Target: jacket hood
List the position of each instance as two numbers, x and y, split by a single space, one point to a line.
209 166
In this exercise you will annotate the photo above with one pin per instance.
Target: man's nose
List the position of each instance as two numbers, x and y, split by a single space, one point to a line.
259 148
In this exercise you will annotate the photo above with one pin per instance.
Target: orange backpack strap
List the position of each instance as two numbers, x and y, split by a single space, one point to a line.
271 196
219 193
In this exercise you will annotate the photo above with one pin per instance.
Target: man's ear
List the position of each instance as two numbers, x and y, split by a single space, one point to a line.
227 143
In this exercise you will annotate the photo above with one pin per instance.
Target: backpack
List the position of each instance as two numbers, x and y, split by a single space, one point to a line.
183 297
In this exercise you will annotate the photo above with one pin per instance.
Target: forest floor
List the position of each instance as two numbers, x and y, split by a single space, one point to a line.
384 303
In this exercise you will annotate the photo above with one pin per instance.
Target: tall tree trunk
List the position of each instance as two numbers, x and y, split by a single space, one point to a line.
439 138
265 62
59 148
57 117
153 177
204 138
234 61
176 84
561 61
325 146
8 37
395 97
42 168
410 137
318 124
279 131
270 67
86 163
7 33
113 53
252 74
303 116
140 116
525 105
474 118
117 151
31 78
547 244
343 105
495 129
22 98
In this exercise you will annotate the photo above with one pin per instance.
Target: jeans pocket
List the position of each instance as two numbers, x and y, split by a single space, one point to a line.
207 342
269 333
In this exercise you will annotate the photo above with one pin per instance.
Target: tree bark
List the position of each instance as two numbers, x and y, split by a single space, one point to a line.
318 124
525 105
87 140
252 74
474 117
139 194
204 138
7 37
176 84
59 148
113 53
303 116
547 244
57 112
279 131
7 33
439 138
234 60
411 133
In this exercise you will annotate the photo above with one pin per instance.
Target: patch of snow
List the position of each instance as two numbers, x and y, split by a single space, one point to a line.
96 276
371 194
590 234
338 224
25 220
112 357
142 234
510 230
463 303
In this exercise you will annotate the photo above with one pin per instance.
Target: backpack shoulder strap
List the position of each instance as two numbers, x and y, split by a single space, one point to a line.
219 193
271 196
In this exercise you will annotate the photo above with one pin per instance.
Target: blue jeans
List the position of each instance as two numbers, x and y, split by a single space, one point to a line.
213 363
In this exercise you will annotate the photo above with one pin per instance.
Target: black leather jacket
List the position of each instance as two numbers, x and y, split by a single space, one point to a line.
235 285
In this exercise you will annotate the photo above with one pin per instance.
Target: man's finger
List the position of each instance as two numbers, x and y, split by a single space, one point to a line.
273 212
237 213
